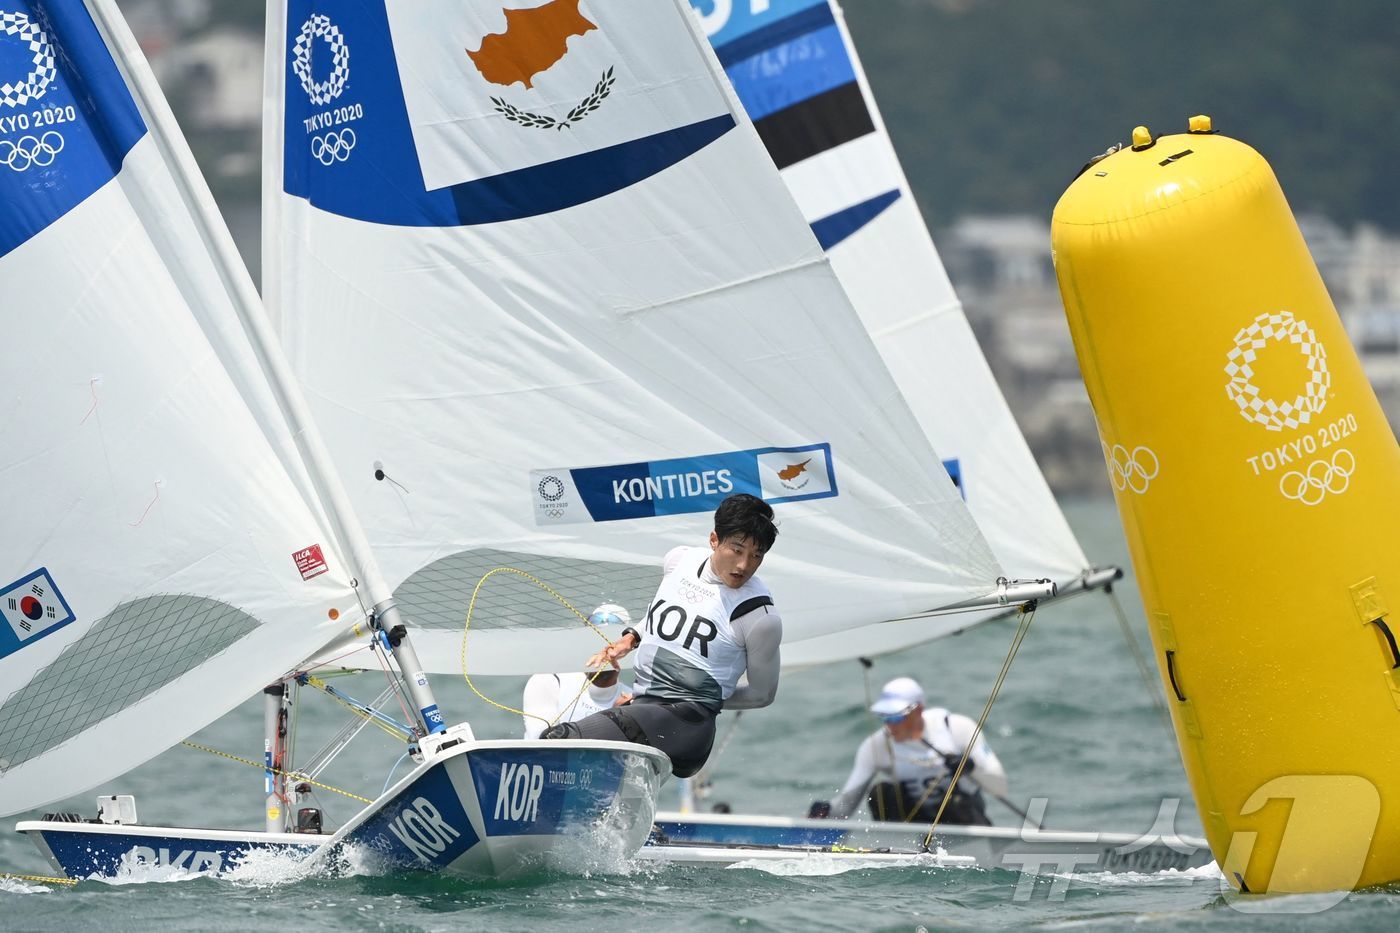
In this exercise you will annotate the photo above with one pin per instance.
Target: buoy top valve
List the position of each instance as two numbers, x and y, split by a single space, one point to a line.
1142 138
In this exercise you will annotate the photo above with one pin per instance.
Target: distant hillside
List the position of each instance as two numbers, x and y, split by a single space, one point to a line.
995 104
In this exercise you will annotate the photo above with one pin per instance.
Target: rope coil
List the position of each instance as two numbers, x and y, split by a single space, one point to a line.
466 629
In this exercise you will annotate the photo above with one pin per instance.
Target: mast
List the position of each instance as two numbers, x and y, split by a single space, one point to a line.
275 715
321 471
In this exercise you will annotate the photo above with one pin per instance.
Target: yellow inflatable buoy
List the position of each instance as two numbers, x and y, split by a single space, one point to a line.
1258 482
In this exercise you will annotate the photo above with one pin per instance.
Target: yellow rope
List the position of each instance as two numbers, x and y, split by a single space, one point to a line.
44 879
1026 617
299 778
471 608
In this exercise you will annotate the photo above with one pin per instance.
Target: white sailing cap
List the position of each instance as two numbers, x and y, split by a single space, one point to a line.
897 697
610 614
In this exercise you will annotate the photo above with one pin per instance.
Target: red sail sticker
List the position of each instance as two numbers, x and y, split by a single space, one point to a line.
310 562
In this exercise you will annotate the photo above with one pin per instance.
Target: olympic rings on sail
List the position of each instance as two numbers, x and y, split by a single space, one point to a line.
31 150
1320 478
1131 470
333 147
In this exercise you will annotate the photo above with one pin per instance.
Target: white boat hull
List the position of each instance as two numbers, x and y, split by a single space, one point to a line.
795 856
1014 848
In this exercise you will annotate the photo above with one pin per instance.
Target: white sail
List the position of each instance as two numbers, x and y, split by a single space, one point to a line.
796 72
551 302
164 555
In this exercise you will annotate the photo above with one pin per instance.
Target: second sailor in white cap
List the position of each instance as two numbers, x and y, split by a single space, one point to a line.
913 756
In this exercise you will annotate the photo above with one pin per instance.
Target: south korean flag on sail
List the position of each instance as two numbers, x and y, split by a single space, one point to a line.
31 607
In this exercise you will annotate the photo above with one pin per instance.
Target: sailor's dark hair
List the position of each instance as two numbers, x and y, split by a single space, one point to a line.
746 516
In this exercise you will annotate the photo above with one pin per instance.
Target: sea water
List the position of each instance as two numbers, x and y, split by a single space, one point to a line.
1074 724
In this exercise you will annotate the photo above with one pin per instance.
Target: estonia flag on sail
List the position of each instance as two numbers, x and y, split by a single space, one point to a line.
790 65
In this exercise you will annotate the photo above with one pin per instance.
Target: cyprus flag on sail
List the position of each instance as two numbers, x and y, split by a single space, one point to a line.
568 77
513 112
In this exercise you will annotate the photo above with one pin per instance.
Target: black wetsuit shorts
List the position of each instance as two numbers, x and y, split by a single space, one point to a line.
683 729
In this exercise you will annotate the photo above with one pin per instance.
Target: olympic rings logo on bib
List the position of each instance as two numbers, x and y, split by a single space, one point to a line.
1134 469
1274 415
31 150
320 26
1311 486
36 82
333 147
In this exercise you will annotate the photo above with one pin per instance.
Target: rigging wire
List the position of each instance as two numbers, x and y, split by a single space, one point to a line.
1151 682
1027 615
347 734
396 731
703 775
866 664
395 683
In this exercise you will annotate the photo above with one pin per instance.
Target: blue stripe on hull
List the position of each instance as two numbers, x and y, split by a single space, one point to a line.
713 833
82 855
544 792
424 826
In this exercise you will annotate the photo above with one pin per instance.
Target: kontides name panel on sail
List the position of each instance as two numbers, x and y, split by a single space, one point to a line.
686 484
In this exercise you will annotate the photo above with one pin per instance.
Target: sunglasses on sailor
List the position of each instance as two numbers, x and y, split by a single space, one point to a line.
890 719
603 678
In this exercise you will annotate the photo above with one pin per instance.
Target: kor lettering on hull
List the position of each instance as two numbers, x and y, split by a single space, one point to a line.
425 824
421 828
518 796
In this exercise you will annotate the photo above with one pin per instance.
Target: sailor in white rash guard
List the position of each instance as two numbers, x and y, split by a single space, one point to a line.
711 622
551 698
915 755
